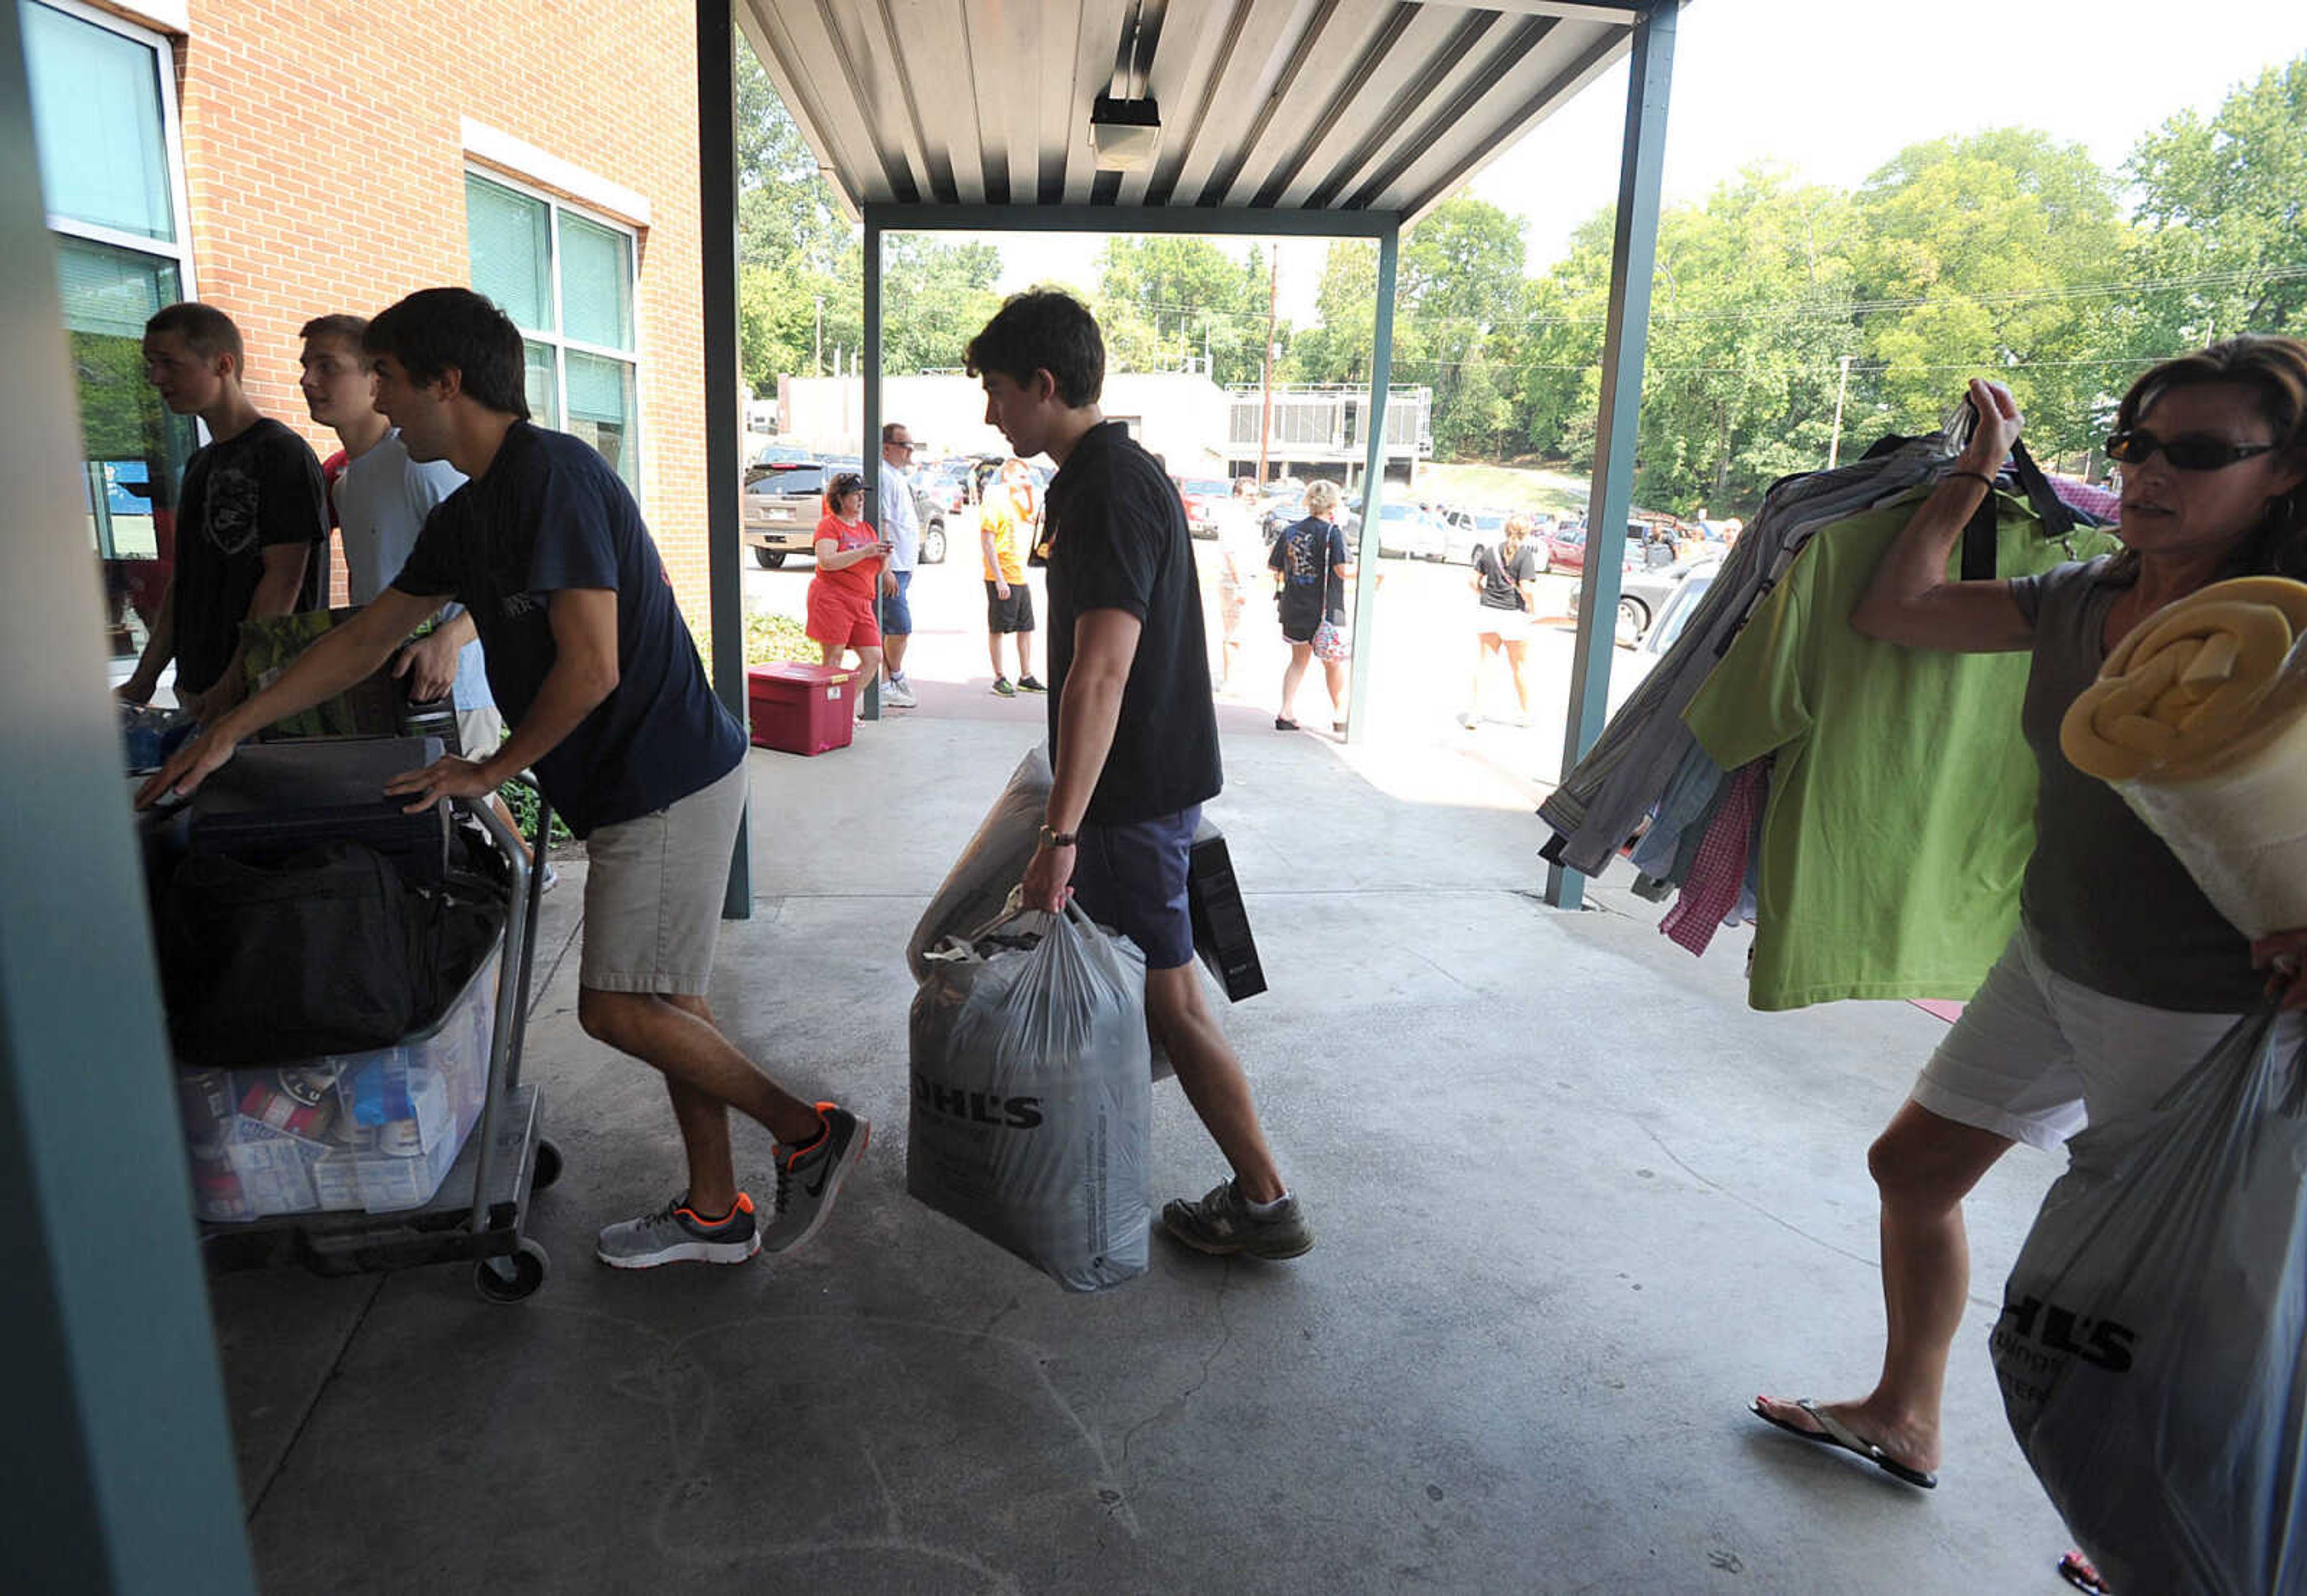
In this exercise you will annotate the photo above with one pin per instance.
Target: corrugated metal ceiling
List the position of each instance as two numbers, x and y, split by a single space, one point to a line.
1296 105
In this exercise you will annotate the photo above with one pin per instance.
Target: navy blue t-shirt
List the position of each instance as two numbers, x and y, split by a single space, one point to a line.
549 514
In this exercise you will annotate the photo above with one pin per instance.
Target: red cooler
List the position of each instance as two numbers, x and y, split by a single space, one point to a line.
802 708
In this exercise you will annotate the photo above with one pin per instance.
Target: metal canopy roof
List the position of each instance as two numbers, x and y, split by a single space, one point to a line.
1312 105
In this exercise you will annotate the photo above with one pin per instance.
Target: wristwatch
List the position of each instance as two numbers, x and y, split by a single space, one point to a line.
1059 840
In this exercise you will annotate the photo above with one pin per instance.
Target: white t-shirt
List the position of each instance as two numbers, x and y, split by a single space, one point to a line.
382 498
899 524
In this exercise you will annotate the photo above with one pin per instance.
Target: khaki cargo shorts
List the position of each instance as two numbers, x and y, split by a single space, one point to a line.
653 892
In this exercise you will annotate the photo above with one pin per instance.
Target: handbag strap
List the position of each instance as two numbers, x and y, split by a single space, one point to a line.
1979 535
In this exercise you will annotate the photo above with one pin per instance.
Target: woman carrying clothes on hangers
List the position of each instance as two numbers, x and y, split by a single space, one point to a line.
2121 974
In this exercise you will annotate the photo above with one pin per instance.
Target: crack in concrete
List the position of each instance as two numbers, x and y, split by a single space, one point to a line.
1177 1405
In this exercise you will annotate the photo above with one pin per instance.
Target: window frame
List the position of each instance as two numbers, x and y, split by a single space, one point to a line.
557 339
177 251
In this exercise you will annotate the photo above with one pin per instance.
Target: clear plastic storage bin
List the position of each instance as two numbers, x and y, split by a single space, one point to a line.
376 1130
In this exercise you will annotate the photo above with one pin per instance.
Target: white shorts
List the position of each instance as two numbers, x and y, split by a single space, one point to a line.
2035 1057
653 892
1508 626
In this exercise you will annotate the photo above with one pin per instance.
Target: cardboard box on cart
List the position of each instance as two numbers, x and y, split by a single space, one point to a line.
802 708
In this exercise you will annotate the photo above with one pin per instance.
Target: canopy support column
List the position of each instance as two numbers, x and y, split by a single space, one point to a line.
118 1475
1634 256
869 456
725 422
1366 571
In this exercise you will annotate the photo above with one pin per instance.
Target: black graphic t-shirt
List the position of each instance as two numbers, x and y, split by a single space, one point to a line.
255 490
1308 554
549 514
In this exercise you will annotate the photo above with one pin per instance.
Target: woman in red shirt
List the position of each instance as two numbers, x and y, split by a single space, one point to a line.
851 557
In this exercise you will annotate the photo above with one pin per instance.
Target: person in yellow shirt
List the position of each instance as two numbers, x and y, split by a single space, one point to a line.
1007 521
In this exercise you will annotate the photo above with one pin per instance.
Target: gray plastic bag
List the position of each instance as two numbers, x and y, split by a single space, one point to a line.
972 895
1031 1117
2153 1337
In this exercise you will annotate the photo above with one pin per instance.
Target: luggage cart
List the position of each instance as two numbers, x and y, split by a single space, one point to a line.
481 1209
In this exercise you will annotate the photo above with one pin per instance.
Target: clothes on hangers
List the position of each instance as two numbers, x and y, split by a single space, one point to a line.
1602 800
1710 898
1899 819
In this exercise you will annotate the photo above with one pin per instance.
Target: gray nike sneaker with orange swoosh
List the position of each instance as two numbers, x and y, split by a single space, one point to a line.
809 1178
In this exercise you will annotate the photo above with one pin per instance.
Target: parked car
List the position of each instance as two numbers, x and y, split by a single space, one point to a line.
1566 548
1202 495
1637 657
1405 531
1645 593
784 502
947 484
1473 528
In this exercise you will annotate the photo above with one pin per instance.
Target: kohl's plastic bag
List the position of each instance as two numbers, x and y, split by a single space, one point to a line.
975 889
2152 1348
975 893
1031 1117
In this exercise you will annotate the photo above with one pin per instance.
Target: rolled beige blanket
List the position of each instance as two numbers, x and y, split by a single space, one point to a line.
2198 719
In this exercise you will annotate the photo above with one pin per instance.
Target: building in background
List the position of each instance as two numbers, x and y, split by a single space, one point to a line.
282 160
1321 433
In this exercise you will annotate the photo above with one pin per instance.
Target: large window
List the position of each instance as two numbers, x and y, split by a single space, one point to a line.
103 118
566 281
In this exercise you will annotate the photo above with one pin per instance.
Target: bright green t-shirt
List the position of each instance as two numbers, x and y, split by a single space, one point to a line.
1902 805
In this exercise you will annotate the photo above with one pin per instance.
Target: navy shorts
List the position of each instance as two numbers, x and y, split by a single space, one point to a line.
1131 877
897 608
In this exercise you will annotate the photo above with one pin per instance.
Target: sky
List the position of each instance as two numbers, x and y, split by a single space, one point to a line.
1833 90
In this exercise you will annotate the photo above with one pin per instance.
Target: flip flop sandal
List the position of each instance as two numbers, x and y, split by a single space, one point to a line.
1832 1432
2076 1569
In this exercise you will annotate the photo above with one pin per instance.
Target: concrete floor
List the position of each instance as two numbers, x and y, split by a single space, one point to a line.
1576 1204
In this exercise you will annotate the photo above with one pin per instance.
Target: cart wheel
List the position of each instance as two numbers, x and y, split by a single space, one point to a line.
514 1277
548 1164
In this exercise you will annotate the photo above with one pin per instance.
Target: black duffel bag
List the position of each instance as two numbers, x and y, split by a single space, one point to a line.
326 952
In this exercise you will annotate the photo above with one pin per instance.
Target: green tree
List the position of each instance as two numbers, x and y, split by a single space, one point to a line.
1967 254
1338 348
1461 272
2222 212
1750 310
787 215
1163 300
798 253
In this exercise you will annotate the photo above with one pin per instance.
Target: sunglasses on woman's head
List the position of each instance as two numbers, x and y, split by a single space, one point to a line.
2135 446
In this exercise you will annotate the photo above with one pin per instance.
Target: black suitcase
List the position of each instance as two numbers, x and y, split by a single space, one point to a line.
1220 923
276 800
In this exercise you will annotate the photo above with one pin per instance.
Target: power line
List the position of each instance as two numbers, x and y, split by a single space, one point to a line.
1831 310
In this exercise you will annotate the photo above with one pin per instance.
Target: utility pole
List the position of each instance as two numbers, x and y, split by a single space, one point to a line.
817 342
1265 410
1841 387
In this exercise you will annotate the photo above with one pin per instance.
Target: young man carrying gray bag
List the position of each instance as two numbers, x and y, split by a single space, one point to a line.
1133 732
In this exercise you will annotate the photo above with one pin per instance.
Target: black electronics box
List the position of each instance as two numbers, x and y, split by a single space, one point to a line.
1220 923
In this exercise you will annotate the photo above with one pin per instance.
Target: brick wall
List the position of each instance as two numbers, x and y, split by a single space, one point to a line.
325 155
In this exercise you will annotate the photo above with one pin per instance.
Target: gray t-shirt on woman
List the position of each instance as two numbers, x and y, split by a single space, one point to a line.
2109 904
